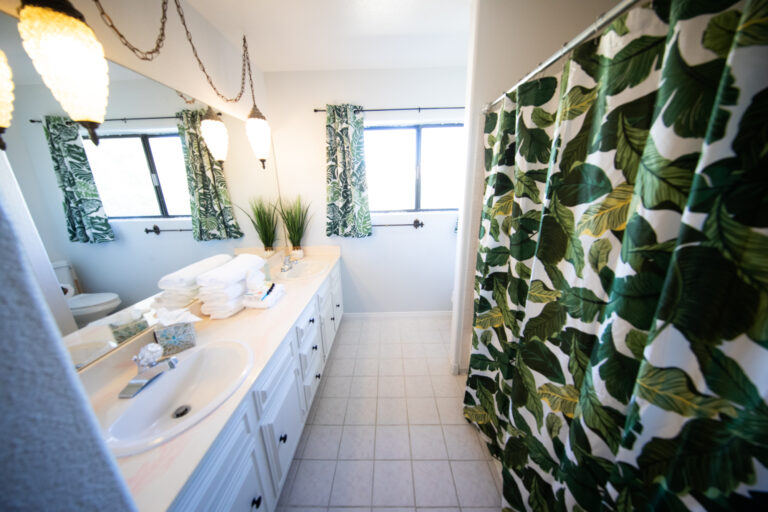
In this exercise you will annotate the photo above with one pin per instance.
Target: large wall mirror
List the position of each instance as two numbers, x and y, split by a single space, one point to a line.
139 172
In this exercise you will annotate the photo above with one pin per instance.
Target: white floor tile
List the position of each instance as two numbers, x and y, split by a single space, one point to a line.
392 442
341 351
357 442
427 442
312 484
341 368
417 366
446 386
361 411
353 483
391 387
462 443
323 442
392 411
422 411
391 351
336 387
364 387
413 351
418 385
439 366
330 411
390 367
392 483
451 411
434 484
367 367
474 484
370 351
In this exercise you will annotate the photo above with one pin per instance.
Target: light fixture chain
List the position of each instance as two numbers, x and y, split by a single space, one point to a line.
142 54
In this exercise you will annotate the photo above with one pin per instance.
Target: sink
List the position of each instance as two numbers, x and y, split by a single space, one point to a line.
203 379
302 269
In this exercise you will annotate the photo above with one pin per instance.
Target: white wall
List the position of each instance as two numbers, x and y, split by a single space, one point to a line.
509 39
398 268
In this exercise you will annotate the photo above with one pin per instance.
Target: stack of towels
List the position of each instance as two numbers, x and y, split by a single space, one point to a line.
262 294
222 289
180 287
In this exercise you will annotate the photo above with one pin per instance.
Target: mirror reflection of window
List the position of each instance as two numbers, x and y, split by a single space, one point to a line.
140 175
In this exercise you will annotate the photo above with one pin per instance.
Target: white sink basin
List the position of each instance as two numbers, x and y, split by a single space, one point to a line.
302 269
202 380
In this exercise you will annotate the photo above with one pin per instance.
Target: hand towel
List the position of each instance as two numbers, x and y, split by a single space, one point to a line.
219 313
209 308
231 272
187 276
255 280
208 294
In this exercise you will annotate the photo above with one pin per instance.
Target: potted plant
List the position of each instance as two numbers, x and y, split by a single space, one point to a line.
295 217
264 219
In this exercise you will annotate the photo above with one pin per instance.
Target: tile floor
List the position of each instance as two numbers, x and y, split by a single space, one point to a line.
386 430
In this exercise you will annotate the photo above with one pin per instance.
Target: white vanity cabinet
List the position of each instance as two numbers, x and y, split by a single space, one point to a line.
246 467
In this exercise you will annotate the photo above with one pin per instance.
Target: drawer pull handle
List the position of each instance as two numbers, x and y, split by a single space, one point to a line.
312 320
284 438
333 318
338 305
314 347
318 375
256 503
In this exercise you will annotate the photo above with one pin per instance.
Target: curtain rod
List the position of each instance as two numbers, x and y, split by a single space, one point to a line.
126 119
604 20
398 109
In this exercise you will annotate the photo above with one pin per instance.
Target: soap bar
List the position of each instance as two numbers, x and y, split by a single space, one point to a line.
175 338
129 330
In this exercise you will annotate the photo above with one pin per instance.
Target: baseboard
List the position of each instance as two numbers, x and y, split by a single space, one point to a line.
393 314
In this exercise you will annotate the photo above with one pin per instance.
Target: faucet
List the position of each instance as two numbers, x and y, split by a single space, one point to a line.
287 264
150 366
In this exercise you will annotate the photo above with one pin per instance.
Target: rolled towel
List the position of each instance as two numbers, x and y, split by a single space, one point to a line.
208 294
187 276
231 272
255 280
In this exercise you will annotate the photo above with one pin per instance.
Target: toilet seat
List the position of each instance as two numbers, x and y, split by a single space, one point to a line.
88 303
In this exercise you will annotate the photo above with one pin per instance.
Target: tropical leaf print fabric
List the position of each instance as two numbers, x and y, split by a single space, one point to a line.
212 215
87 221
620 347
348 214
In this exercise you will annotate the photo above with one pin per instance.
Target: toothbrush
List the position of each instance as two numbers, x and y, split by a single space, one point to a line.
268 291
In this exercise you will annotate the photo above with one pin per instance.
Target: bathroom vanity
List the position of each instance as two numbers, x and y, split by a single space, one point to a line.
238 457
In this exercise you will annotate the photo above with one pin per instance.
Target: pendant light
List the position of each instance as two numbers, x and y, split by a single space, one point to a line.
66 53
6 97
215 135
257 129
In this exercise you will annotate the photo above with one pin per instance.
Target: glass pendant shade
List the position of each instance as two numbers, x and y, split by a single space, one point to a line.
257 129
69 58
215 135
6 97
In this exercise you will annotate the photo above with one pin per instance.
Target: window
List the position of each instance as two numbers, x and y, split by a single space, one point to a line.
411 168
140 175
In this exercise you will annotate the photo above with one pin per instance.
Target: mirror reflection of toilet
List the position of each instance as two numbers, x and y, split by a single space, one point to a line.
85 307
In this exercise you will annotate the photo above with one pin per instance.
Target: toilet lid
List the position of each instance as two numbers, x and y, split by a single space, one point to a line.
92 300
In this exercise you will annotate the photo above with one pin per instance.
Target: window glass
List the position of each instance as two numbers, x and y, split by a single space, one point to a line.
122 176
169 162
442 160
390 163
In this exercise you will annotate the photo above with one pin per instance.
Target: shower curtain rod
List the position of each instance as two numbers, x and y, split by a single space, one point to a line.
126 119
398 109
603 21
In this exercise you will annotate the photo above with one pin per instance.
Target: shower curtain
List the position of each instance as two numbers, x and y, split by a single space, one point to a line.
620 345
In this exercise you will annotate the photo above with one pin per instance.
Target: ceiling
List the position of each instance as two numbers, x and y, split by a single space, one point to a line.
303 35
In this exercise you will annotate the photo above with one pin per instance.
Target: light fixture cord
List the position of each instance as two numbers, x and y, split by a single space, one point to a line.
138 52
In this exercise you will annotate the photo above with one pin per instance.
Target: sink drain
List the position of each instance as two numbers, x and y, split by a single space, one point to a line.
181 411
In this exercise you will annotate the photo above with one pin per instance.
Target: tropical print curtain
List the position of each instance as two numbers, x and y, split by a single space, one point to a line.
620 348
87 221
212 215
348 214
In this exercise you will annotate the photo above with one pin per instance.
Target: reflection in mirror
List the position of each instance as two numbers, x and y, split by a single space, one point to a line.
139 172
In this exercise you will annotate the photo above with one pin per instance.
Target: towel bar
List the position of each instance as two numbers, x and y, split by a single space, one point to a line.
416 224
156 230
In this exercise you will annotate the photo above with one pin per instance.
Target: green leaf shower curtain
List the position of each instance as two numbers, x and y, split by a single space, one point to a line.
87 221
212 215
348 214
620 348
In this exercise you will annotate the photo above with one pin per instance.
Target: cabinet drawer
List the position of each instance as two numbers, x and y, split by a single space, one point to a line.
243 491
338 304
310 350
312 381
266 389
308 322
282 427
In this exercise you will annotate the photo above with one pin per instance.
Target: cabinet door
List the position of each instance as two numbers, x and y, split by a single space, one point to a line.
329 327
244 492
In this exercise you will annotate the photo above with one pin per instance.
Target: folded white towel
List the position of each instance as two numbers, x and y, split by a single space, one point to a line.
211 307
255 280
231 272
208 294
256 302
188 294
219 313
187 276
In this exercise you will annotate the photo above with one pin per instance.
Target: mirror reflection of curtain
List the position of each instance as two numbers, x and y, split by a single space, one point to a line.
348 214
621 313
87 221
212 215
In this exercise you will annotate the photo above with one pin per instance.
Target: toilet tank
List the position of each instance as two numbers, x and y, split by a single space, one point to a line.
66 274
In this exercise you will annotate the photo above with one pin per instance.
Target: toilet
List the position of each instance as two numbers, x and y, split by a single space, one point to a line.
85 307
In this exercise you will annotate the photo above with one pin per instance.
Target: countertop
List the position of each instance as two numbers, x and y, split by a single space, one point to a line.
155 477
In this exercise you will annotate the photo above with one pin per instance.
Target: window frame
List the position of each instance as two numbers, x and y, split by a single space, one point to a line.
154 177
417 127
